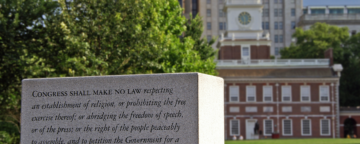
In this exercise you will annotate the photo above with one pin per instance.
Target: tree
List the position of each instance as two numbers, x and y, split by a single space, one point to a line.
194 29
46 38
21 33
124 37
312 43
350 79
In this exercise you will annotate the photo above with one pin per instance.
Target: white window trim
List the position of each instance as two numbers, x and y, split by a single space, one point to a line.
234 107
302 132
244 46
282 94
282 109
247 93
231 134
324 111
272 108
291 126
301 93
321 134
272 127
304 107
270 94
238 96
320 93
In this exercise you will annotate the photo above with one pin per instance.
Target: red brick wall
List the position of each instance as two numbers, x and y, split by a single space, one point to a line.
342 120
234 52
260 52
296 126
230 52
296 115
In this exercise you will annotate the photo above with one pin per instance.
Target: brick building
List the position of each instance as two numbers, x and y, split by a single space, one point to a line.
350 122
291 97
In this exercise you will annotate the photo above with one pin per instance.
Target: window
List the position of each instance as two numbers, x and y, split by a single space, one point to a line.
208 26
281 39
292 1
250 93
221 13
353 10
275 12
268 127
287 127
336 11
208 12
305 127
305 11
245 51
265 13
235 127
293 25
277 51
278 1
265 1
234 93
305 109
276 39
234 109
317 11
267 93
293 12
280 25
208 37
286 93
194 8
250 109
325 127
181 3
221 1
265 25
305 93
276 26
268 109
324 109
222 25
324 93
208 1
286 109
279 12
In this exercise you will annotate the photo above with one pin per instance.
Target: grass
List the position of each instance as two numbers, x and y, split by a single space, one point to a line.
297 141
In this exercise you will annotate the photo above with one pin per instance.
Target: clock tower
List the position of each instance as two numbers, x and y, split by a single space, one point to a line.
244 38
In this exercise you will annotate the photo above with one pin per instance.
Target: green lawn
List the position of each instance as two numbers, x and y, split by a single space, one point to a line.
297 141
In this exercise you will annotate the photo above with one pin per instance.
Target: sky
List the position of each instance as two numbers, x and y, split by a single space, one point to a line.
330 2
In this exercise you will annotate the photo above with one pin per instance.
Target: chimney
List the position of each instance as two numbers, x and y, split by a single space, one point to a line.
329 54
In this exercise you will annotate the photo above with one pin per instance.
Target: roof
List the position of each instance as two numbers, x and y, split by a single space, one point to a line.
278 73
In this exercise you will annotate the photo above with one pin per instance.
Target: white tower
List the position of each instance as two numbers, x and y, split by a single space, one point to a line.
244 38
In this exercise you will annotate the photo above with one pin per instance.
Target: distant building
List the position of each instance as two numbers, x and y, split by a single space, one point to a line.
295 98
279 18
342 16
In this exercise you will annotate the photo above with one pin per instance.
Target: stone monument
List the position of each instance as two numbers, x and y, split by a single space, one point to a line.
185 108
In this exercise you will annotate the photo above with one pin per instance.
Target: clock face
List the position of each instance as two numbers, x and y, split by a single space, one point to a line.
244 18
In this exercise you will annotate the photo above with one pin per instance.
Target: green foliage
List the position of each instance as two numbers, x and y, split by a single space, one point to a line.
194 29
350 79
123 37
21 35
46 38
312 43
